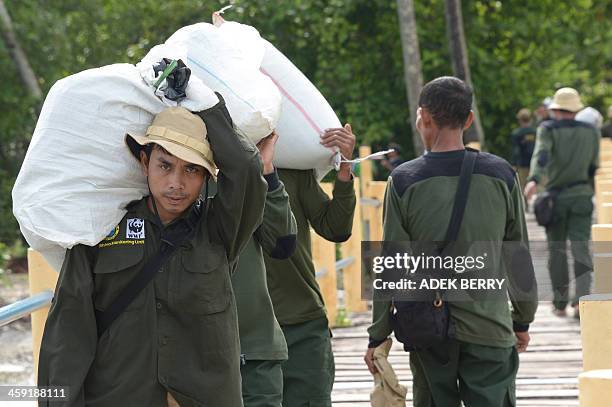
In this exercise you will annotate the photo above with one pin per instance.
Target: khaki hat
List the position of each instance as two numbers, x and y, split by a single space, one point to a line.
524 114
566 99
181 133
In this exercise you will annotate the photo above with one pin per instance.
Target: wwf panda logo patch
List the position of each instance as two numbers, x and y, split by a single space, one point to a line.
135 229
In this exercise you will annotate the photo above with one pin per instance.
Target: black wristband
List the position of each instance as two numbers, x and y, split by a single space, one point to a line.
272 180
374 343
518 327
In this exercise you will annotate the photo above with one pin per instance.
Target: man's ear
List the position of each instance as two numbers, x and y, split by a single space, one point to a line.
426 117
469 120
144 163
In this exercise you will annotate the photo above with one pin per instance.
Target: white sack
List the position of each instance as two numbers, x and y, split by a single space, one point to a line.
591 116
227 60
78 174
225 56
305 115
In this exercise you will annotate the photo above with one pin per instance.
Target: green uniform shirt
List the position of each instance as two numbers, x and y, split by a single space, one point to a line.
418 204
292 283
567 151
180 334
261 337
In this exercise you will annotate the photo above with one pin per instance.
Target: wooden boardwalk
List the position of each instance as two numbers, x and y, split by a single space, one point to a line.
548 373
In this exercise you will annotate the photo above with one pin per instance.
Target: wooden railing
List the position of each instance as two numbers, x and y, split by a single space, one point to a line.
595 383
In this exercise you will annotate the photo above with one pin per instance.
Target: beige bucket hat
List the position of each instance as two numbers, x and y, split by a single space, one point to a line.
181 133
566 99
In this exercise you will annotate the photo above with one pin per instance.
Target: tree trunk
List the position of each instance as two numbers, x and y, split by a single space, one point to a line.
413 75
461 66
19 57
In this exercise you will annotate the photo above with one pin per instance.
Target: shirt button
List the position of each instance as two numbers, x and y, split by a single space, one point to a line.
161 270
159 305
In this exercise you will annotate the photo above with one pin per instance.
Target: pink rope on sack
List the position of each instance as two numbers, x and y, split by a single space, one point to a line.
294 102
218 20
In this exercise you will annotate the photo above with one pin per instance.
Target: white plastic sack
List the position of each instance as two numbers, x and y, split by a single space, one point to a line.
78 174
227 60
591 116
305 115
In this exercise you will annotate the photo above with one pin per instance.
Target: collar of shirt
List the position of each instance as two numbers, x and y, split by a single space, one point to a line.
445 154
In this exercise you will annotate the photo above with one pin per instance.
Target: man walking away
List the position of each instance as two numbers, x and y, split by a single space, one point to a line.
478 364
567 151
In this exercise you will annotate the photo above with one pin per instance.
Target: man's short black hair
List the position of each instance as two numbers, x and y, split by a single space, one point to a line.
148 149
448 100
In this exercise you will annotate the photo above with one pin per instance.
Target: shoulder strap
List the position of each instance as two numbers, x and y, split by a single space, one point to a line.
465 177
170 242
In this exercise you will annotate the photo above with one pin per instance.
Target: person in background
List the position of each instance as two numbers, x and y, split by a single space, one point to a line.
394 158
541 113
591 116
523 142
567 151
262 345
308 374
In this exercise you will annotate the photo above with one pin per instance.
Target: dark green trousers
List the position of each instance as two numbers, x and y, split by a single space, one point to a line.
571 221
480 376
308 374
262 383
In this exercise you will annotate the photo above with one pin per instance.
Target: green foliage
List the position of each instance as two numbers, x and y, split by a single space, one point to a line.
7 253
520 52
4 258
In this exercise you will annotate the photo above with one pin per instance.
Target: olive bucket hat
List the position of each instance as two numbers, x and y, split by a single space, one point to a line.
181 133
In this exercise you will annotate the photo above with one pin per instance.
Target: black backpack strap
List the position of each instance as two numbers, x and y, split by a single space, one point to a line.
461 196
170 243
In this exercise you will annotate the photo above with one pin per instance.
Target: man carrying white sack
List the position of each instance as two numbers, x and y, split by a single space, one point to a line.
262 343
308 374
114 337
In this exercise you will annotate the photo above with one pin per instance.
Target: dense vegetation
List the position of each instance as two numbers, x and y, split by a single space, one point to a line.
519 51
